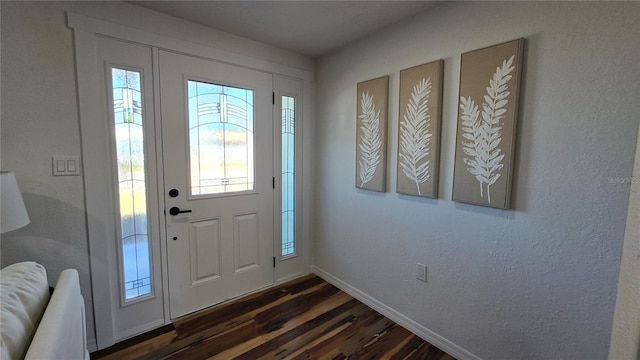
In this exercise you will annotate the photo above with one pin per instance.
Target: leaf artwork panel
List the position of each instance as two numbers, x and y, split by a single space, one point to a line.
419 130
370 142
415 136
371 132
489 87
483 134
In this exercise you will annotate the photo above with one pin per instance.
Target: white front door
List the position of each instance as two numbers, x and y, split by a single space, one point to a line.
217 132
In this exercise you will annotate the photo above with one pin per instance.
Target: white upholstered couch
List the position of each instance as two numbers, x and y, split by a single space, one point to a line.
35 325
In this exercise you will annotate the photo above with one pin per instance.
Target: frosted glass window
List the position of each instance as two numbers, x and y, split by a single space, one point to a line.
220 138
132 189
288 175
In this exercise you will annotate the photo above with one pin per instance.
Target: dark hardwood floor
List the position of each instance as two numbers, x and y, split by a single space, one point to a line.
306 318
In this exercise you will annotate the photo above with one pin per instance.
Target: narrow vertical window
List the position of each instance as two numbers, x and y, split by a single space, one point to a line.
132 189
288 175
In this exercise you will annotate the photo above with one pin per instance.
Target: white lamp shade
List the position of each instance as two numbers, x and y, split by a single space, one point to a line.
13 213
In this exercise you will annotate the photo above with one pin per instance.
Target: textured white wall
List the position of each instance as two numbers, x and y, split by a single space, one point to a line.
39 118
536 282
625 337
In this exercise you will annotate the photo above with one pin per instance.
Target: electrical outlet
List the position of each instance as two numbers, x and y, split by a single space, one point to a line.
421 272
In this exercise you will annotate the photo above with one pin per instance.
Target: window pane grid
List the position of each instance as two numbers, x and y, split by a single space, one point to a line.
129 141
288 175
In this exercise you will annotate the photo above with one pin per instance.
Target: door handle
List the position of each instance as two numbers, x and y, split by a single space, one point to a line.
176 210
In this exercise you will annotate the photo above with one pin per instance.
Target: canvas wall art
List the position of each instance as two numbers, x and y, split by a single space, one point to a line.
419 119
487 114
371 134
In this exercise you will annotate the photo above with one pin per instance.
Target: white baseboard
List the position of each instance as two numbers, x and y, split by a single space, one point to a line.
92 345
290 277
402 320
139 330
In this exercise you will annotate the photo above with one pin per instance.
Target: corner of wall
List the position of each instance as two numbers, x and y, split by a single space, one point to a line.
625 335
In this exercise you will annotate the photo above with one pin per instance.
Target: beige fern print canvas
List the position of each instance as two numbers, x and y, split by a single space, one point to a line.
371 134
487 115
419 121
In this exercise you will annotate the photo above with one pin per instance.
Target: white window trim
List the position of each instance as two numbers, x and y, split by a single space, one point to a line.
97 188
149 176
289 266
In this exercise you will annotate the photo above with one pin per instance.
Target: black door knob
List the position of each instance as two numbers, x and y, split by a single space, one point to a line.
174 192
176 210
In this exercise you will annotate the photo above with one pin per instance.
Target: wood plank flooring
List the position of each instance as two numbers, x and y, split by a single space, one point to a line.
306 318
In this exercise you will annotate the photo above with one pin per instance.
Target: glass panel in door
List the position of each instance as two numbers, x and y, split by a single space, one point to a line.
221 138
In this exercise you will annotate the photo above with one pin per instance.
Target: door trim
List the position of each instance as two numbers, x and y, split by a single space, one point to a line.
97 189
289 266
96 26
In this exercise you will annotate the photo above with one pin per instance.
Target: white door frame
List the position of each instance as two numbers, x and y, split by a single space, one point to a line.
95 149
223 247
291 266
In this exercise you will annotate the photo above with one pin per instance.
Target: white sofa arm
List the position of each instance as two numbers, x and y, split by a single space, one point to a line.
62 330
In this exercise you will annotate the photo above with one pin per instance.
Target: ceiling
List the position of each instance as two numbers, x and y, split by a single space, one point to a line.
308 27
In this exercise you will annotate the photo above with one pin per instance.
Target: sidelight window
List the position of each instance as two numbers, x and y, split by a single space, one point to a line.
288 175
132 187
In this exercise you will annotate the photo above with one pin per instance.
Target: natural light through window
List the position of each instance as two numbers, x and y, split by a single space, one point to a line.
288 175
132 190
220 138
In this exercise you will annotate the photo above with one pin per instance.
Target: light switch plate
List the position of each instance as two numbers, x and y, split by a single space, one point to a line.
66 165
421 272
